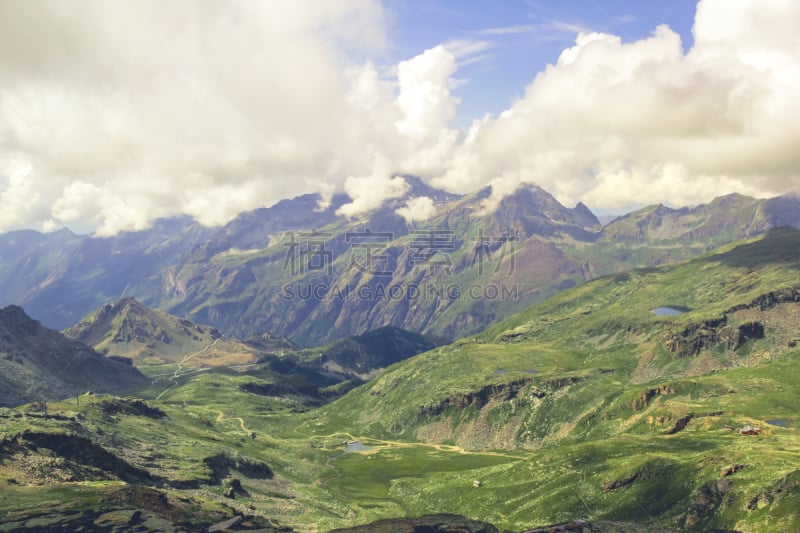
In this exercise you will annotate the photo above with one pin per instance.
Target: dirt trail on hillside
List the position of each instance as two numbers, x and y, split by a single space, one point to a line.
176 374
221 418
389 444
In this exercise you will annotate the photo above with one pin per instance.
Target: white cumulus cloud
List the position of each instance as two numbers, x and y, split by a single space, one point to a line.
368 192
417 209
205 108
616 124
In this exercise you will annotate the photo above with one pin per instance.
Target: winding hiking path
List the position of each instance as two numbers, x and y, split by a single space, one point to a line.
177 373
389 444
221 418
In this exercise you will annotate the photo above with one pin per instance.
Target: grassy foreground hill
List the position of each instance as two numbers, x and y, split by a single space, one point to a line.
588 406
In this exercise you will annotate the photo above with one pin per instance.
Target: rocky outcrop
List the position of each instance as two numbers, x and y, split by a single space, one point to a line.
770 300
221 466
560 383
729 471
778 490
183 513
74 453
705 335
444 523
643 400
700 336
695 337
498 392
143 498
680 424
130 407
736 338
617 483
478 399
580 526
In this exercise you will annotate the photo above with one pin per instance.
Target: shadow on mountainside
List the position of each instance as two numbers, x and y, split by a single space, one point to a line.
779 246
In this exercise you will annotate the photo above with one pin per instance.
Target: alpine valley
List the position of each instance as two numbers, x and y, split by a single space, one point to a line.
511 367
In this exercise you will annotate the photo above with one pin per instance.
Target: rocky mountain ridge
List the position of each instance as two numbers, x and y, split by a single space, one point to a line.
303 272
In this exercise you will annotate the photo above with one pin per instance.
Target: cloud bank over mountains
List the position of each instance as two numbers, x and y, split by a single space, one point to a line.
115 113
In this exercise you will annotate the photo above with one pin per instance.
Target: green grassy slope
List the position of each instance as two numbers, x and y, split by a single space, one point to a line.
601 389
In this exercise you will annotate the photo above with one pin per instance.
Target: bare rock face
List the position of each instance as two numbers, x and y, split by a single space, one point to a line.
699 336
643 400
503 391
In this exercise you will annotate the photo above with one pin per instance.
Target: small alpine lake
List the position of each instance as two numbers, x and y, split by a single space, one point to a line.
669 310
351 447
780 422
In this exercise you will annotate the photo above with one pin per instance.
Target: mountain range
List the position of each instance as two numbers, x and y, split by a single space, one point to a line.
299 271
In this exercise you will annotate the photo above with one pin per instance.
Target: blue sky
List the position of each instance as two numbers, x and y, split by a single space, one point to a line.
521 37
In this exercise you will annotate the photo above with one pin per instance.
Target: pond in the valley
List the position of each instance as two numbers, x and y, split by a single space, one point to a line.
780 422
668 310
353 446
356 446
